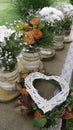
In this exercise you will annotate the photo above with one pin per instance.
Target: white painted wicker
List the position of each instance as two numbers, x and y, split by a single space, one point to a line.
44 104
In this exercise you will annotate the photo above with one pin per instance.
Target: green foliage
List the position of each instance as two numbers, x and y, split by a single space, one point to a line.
71 1
47 39
67 23
40 122
24 6
62 1
40 4
15 44
8 12
68 104
69 122
7 58
60 26
19 26
9 51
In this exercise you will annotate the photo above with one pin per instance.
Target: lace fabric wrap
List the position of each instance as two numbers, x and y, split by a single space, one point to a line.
8 79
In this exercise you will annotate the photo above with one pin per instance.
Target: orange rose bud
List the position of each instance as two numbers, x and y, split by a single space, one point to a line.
28 38
26 26
24 76
35 21
67 114
37 33
23 91
38 114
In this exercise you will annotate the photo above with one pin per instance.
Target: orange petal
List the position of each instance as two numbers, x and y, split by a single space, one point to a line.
38 114
26 26
28 38
37 33
67 115
24 76
23 91
35 21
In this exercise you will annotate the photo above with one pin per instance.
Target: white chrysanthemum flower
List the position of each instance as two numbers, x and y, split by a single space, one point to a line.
1 37
66 8
5 32
51 15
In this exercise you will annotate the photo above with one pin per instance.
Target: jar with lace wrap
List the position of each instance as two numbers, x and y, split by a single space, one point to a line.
8 68
31 60
8 79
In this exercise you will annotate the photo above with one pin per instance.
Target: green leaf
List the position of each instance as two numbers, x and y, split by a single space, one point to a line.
40 122
19 26
41 26
43 128
34 106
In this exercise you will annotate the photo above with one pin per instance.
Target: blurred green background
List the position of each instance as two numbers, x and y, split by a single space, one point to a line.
9 11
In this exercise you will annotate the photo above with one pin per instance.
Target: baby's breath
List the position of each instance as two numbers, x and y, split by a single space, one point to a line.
9 48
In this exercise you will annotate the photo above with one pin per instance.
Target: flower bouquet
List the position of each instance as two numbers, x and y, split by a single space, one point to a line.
34 35
67 10
9 73
8 61
54 19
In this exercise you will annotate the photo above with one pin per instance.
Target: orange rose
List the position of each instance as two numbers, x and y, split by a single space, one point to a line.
24 76
26 26
37 33
28 38
35 21
38 114
66 114
23 91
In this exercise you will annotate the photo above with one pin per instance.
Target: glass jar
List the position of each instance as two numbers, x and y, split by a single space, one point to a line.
58 42
67 37
46 52
31 60
8 79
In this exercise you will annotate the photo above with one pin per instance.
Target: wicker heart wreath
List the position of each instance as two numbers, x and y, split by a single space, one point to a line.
44 104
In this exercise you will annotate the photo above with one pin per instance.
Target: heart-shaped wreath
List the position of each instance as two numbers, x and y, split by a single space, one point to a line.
44 104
